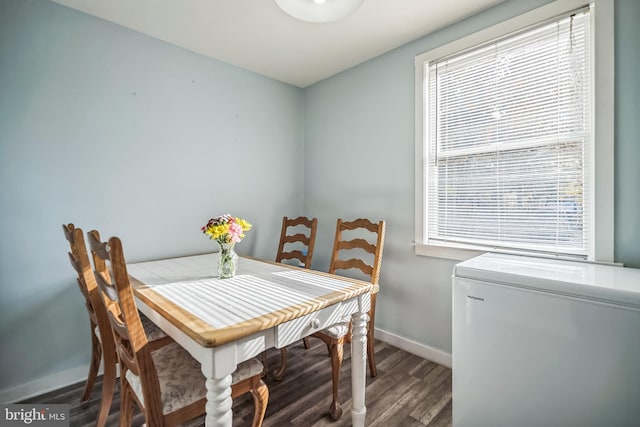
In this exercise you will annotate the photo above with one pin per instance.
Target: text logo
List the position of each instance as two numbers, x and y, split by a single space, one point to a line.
41 415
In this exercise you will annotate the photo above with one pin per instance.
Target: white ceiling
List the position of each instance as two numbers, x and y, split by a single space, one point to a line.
258 36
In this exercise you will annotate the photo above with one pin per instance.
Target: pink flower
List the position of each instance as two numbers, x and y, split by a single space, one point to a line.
235 231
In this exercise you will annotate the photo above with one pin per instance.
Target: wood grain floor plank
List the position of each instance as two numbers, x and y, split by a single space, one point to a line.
444 418
401 411
438 397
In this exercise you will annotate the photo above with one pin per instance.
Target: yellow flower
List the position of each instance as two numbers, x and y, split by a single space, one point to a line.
244 224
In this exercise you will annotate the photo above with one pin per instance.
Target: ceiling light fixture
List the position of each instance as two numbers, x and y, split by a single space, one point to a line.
319 10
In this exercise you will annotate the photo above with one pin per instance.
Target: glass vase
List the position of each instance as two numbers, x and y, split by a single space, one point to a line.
228 261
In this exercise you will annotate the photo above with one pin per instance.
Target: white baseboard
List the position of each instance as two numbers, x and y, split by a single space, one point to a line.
424 351
44 384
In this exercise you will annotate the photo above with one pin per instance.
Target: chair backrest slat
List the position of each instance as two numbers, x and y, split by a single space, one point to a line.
358 244
353 263
300 237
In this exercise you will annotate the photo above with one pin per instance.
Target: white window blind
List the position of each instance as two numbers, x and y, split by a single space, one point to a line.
509 141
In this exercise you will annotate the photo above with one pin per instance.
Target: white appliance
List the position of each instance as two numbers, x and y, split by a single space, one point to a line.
540 342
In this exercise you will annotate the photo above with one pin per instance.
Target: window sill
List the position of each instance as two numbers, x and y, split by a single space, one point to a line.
446 252
463 253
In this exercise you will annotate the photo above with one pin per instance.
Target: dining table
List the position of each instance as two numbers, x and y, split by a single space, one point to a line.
223 322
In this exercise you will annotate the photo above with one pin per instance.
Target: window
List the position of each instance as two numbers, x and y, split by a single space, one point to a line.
507 147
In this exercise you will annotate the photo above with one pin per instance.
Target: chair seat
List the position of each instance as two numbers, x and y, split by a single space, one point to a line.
181 380
151 329
338 330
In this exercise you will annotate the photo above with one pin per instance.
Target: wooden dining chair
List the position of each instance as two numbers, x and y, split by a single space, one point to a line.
163 380
359 248
297 240
102 344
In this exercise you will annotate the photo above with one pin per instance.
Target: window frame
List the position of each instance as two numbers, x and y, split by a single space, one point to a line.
602 63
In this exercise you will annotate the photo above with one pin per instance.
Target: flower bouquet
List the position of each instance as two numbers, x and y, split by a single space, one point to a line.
227 231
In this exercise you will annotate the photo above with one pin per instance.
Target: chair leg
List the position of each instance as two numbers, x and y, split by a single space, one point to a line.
94 365
371 355
337 353
265 366
126 405
260 394
307 344
278 374
108 386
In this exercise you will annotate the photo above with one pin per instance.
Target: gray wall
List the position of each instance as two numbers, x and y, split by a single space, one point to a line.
359 161
113 130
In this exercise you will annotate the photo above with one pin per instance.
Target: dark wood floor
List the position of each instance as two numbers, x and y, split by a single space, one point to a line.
408 391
